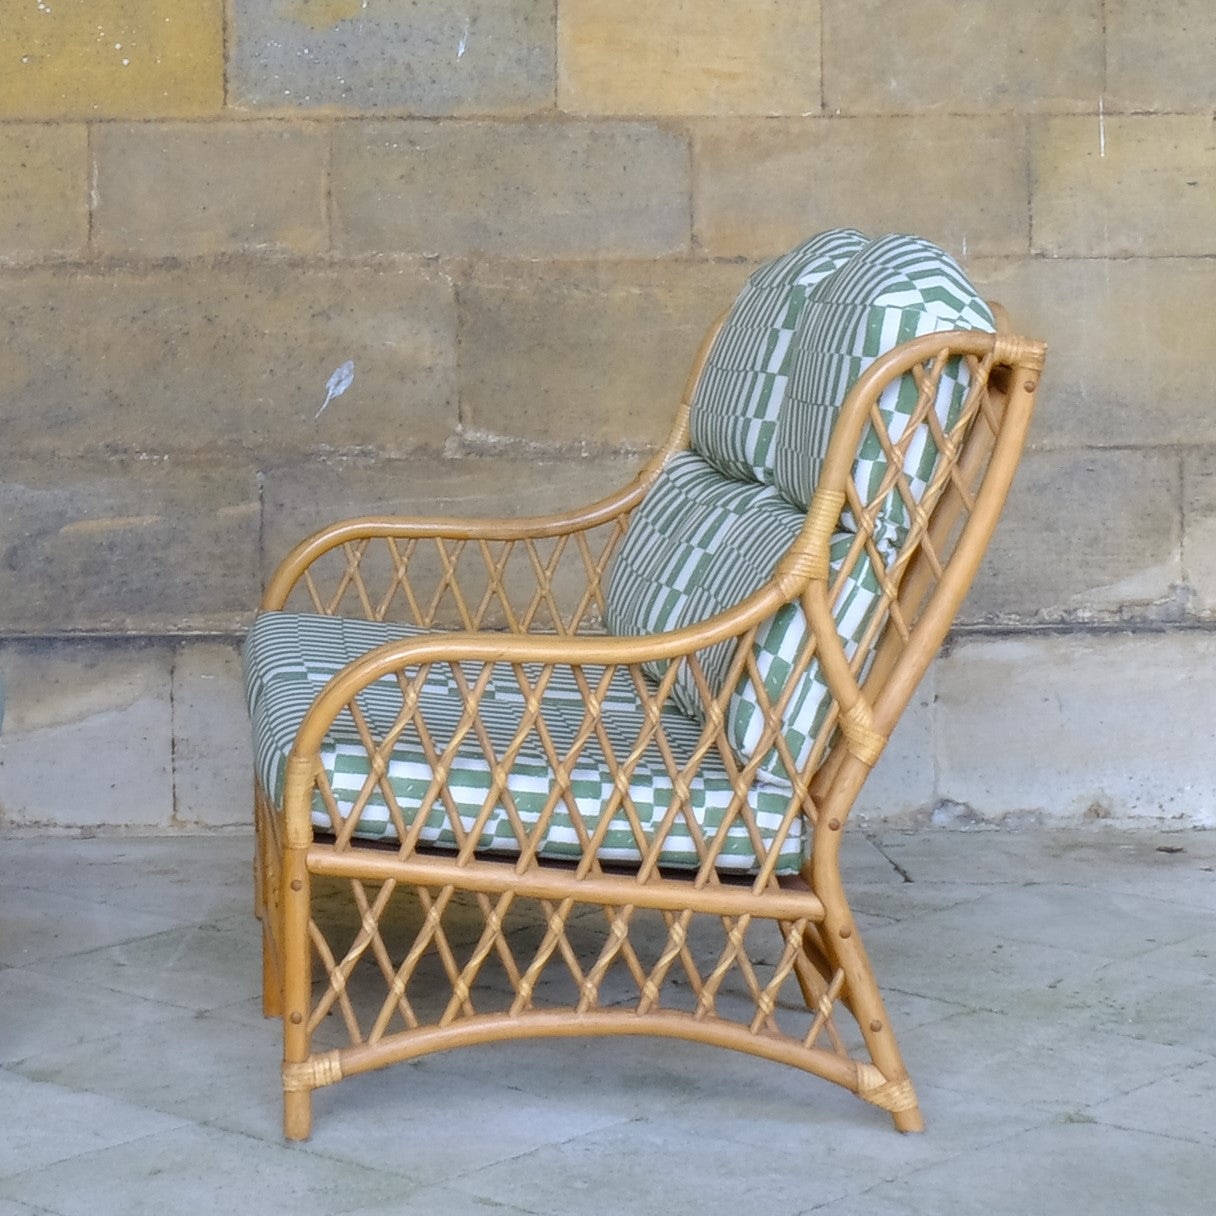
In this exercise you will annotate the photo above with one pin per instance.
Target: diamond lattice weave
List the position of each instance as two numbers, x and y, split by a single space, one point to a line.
700 544
290 656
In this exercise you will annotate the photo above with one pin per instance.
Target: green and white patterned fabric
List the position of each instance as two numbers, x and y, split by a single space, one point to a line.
701 542
289 657
738 397
895 289
698 545
780 644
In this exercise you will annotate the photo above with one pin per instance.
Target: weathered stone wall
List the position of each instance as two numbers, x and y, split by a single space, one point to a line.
517 217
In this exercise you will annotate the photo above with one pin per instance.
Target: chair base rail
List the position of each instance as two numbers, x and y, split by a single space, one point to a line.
608 890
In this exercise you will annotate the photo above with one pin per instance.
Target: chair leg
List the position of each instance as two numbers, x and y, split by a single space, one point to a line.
295 902
297 1114
265 908
272 983
893 1089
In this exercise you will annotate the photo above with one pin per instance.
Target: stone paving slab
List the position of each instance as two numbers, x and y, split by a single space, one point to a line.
1050 990
1060 1169
216 1172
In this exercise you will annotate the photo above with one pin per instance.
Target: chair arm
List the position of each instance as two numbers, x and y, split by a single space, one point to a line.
545 649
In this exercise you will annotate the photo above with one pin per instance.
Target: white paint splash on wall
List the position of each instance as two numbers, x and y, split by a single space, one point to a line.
464 38
343 377
1101 130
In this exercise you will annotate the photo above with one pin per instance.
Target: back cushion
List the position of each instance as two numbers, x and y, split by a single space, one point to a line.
698 544
719 518
738 397
895 289
705 537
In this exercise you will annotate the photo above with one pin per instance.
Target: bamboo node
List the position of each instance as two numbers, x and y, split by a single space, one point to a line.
325 1069
863 740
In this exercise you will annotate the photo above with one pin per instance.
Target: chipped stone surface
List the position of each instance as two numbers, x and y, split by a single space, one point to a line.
229 357
1063 724
960 56
594 354
1160 65
212 752
126 547
669 57
1121 340
44 209
111 59
1199 538
1125 186
1085 535
763 186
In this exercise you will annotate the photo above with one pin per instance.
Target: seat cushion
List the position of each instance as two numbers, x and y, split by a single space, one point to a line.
738 397
895 289
289 657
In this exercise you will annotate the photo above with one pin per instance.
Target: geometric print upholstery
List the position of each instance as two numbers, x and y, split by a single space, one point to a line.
780 643
895 289
290 656
700 543
738 397
709 532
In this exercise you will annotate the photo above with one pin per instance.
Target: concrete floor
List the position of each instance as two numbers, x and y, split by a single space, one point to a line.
1055 994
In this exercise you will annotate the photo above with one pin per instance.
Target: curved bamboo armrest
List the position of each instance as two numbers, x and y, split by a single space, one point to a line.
546 649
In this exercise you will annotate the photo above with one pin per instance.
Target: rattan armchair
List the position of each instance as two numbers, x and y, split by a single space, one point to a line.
490 750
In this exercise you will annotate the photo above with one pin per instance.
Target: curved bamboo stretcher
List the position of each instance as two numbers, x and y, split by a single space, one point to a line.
504 589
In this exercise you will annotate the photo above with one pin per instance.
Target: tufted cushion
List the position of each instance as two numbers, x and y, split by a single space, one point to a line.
289 657
738 397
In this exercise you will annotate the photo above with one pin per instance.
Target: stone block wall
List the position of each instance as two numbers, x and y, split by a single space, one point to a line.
517 217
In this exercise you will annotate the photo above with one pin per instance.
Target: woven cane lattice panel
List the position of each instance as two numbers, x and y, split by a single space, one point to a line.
541 584
396 958
556 760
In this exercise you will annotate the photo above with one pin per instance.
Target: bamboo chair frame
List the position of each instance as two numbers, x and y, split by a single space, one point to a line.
307 977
